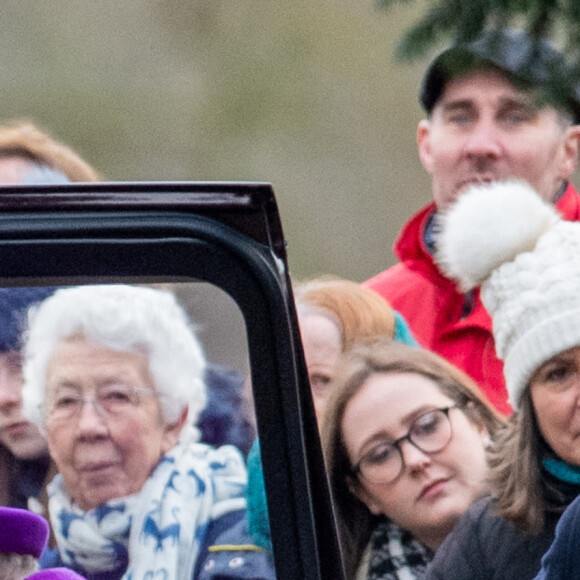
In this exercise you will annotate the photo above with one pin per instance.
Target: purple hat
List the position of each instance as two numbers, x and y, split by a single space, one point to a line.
55 574
22 532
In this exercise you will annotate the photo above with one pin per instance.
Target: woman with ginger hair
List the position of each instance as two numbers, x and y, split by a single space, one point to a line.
334 314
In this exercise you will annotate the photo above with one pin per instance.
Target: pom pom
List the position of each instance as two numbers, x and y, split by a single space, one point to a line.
488 225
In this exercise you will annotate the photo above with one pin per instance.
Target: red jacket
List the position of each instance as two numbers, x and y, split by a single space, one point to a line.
432 305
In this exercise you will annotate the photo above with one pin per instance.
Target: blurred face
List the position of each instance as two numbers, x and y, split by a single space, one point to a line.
322 349
555 392
484 129
12 168
19 436
432 490
104 456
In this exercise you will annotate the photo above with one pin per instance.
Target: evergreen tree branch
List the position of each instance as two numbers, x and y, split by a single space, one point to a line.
464 19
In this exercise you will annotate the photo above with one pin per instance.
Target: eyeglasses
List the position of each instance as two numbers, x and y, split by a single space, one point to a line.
429 433
109 401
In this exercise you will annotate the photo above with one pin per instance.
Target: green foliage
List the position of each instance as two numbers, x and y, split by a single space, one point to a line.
558 20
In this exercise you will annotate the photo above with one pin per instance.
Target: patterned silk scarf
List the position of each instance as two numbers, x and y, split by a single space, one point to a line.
159 530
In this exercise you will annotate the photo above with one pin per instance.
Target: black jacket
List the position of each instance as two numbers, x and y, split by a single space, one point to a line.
483 546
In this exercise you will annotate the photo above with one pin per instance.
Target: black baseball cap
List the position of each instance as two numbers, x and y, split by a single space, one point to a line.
529 62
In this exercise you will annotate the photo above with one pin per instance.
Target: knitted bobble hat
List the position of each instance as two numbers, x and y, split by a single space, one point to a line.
506 238
22 532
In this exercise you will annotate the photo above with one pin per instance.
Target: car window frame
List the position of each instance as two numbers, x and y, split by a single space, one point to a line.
227 234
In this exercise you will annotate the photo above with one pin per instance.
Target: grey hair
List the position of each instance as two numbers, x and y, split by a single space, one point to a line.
126 319
17 566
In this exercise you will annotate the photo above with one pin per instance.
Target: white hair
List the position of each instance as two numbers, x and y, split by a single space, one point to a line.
126 319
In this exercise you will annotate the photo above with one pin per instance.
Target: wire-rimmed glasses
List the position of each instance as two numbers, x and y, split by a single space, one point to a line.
109 401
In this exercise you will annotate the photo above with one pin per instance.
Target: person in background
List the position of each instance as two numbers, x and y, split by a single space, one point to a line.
113 375
26 465
404 439
493 114
226 418
529 276
29 156
333 314
561 560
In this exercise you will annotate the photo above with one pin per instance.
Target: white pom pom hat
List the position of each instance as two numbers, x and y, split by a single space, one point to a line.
506 238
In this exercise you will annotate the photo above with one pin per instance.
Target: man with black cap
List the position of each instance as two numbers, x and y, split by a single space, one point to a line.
501 107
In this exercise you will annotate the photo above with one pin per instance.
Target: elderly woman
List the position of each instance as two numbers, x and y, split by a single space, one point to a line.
113 376
404 438
526 258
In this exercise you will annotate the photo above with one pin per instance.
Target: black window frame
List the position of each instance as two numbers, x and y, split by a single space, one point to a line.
227 234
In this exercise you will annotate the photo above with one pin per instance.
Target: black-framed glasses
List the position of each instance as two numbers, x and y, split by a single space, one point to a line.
430 433
109 401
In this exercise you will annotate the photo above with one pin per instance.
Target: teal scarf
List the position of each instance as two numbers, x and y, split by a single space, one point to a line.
562 470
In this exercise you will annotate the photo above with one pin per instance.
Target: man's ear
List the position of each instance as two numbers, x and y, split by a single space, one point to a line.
424 144
362 494
172 431
570 152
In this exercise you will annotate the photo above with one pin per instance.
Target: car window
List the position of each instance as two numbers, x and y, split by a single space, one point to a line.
220 248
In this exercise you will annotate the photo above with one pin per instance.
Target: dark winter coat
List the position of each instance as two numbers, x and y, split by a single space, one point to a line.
483 546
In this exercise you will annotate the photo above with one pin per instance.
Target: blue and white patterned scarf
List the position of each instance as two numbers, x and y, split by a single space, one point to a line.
159 530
